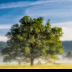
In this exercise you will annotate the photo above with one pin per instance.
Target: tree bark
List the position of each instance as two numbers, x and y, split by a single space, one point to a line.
32 61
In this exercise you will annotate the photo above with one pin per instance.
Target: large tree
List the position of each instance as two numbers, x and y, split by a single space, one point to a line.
31 39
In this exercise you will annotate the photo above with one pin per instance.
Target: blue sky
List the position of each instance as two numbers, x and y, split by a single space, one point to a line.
58 11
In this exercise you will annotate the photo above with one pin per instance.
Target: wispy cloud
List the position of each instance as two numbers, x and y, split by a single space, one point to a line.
51 13
51 10
21 4
63 24
28 3
5 26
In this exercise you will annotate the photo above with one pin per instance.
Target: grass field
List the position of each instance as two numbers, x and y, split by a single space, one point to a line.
49 66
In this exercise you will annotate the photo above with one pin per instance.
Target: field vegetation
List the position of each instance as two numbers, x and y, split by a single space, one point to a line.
48 66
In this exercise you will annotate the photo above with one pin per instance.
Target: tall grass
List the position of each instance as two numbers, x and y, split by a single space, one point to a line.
48 66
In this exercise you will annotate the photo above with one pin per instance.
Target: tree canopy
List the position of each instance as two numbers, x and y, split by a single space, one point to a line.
32 39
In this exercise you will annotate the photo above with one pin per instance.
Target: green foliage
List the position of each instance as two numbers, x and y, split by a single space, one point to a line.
7 59
3 45
69 54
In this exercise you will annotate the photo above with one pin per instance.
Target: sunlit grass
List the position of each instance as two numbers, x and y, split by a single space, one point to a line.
49 66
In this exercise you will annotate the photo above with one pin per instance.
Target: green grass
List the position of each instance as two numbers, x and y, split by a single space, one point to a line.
49 66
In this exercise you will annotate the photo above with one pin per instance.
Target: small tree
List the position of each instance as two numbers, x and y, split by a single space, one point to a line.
69 54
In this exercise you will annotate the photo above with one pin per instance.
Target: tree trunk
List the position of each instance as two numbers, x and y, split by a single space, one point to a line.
32 61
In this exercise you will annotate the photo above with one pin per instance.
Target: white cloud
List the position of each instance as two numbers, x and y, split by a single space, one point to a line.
22 4
67 30
28 3
63 24
3 38
5 26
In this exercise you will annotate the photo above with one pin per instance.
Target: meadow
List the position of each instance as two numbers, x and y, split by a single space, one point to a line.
48 66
